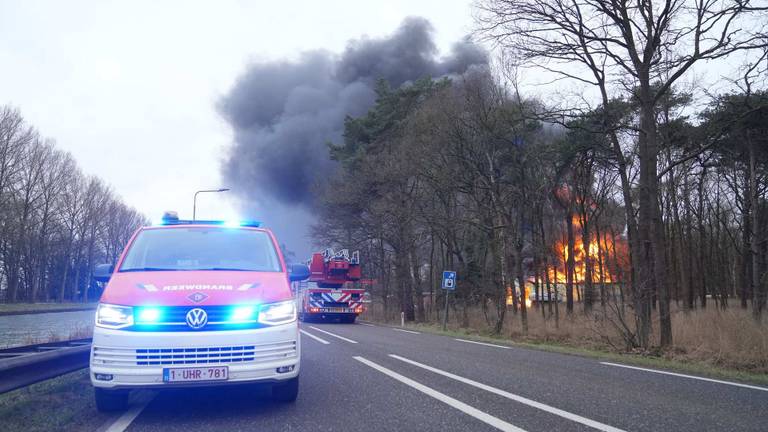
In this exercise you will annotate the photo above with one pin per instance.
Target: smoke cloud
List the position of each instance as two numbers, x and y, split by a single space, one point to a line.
283 113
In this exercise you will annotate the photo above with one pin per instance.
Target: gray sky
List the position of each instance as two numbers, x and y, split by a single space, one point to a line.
130 87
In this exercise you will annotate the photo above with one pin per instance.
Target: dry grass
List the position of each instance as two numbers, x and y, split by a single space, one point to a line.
63 404
43 307
80 331
729 339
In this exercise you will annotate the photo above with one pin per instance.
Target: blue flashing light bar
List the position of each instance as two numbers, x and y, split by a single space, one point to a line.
170 218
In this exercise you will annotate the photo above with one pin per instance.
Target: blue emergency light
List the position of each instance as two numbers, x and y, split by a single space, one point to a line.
148 315
172 218
242 313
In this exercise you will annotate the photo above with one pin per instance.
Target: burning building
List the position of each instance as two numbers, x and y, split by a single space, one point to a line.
599 261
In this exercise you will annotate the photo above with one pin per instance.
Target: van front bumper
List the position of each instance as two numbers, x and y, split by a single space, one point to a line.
131 359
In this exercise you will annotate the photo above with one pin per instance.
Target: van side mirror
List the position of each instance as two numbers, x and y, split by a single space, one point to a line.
298 272
103 272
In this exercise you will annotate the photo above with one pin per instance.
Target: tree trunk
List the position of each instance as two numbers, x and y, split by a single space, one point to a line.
651 227
570 266
586 241
758 299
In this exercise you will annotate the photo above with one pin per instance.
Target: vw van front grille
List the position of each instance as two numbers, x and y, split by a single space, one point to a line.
193 355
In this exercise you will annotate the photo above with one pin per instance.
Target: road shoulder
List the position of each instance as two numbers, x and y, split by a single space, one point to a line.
644 360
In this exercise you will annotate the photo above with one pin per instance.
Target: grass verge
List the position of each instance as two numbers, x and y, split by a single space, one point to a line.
63 403
635 359
17 308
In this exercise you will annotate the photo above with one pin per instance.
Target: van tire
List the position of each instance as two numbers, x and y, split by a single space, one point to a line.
286 392
111 400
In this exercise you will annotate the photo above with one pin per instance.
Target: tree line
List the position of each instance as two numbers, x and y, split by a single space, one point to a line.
636 196
56 223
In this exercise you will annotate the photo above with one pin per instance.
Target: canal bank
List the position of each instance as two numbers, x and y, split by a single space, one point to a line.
38 308
45 326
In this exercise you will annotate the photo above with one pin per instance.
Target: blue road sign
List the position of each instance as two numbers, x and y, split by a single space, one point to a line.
449 280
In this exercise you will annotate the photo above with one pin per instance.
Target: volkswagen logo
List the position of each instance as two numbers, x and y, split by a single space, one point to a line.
197 318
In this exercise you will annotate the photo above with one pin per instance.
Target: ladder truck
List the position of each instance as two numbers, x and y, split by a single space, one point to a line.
329 294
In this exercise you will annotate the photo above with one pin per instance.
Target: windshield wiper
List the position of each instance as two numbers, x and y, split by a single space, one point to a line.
138 269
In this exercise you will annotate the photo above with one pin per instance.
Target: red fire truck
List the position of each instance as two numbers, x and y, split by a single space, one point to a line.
329 294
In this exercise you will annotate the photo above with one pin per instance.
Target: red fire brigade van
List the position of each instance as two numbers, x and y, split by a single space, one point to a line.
196 303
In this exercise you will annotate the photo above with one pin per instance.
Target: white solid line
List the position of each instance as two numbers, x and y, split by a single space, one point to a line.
532 403
687 376
321 340
483 343
461 406
333 334
129 416
406 331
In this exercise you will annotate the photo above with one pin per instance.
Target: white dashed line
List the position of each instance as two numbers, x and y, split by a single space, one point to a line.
129 416
321 340
406 331
333 334
687 376
483 343
459 405
532 403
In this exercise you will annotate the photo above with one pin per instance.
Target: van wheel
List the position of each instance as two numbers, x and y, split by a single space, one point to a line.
111 400
287 391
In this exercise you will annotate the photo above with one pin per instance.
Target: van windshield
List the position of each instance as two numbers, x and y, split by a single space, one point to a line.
201 248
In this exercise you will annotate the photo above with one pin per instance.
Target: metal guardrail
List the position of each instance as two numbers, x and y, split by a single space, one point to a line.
26 365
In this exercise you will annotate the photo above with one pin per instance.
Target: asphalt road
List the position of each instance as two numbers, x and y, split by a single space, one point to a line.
383 379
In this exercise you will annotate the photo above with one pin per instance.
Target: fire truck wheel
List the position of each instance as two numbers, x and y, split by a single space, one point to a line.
286 392
349 319
111 400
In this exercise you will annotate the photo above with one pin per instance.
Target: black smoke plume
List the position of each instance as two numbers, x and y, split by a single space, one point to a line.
283 113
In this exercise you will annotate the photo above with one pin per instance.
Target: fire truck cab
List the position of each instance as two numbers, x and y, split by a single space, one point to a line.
329 294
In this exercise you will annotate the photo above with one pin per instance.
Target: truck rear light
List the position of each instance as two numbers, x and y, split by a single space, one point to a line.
359 310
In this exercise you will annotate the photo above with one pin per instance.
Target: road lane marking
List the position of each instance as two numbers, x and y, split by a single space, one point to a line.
321 340
129 416
366 324
461 406
687 376
483 343
406 331
333 334
532 403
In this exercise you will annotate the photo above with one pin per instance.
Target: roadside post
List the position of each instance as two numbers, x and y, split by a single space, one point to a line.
449 284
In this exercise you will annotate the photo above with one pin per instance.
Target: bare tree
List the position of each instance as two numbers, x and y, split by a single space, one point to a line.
54 224
640 48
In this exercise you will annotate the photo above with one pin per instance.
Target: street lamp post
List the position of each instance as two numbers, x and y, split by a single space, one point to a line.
194 200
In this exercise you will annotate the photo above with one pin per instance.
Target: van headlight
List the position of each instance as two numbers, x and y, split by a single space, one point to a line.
114 316
278 313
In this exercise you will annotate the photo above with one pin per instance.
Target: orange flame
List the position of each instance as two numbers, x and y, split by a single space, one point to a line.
607 255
